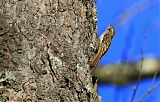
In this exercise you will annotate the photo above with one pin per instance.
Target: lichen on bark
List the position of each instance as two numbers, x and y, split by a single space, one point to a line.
45 50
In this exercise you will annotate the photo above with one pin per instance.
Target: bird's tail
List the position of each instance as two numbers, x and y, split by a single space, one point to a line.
96 59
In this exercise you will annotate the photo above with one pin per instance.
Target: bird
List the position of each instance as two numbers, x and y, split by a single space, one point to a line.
103 46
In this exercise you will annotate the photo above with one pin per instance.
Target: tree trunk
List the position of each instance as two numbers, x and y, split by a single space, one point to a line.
45 50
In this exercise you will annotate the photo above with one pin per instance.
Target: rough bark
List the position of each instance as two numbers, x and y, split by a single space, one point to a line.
45 50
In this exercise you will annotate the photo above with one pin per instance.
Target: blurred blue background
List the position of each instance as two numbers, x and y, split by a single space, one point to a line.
137 26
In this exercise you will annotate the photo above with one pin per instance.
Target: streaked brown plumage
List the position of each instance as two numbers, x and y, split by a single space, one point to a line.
104 43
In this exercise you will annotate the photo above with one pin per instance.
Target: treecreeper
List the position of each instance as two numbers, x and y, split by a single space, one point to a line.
103 46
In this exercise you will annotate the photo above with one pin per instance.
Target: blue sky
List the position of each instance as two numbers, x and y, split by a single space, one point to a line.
132 22
137 26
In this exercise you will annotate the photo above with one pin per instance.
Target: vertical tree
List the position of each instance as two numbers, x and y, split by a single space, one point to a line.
45 50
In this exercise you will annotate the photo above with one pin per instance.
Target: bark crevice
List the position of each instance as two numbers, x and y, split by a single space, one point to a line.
45 46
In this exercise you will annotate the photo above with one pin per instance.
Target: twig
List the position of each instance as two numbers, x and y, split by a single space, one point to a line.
154 77
137 84
149 91
140 74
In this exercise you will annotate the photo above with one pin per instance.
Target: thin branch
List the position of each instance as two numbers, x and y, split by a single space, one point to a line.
151 88
139 78
154 77
149 91
122 73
